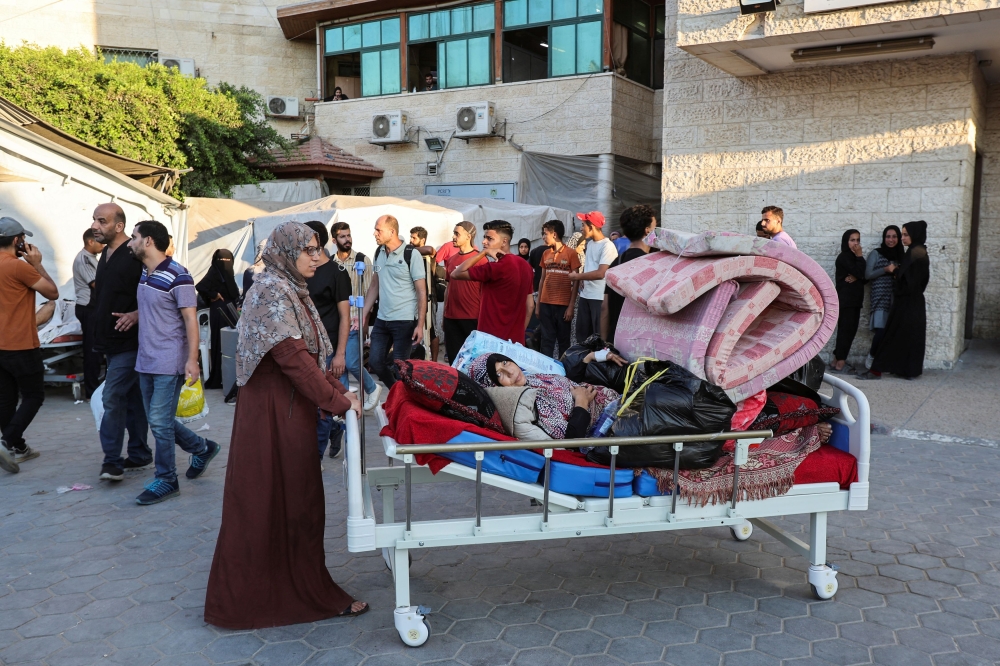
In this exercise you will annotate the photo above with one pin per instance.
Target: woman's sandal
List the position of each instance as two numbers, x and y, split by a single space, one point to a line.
349 613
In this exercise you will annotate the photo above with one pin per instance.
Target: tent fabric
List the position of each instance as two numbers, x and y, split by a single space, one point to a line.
571 182
215 224
54 191
283 190
438 215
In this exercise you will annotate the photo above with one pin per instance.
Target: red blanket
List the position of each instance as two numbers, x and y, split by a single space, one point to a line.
410 423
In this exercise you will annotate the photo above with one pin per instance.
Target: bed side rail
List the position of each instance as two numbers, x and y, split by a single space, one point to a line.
860 429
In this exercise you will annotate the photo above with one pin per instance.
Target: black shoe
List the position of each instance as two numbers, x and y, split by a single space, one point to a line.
134 466
111 472
157 491
336 441
200 462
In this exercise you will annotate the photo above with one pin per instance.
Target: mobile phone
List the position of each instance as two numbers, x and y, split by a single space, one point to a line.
21 246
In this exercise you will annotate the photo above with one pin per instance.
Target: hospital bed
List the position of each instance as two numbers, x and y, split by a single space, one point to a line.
566 516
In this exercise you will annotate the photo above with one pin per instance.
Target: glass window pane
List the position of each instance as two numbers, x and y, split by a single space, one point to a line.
461 20
390 31
590 7
419 27
371 74
479 61
440 24
442 67
334 40
371 34
483 18
352 37
539 11
456 55
588 47
563 9
660 14
562 50
515 12
390 71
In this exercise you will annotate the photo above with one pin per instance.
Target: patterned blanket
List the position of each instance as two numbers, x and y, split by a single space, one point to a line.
739 311
769 472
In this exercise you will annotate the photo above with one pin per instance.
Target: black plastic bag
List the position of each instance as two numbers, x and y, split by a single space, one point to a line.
811 374
572 358
675 403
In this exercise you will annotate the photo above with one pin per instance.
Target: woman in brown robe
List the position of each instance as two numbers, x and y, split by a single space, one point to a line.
269 568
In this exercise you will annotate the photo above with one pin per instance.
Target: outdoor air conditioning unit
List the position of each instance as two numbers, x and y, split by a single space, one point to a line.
388 127
476 119
185 65
283 107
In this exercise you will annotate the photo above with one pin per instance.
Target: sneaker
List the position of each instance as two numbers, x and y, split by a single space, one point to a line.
134 466
23 454
157 491
7 462
371 400
336 439
200 462
868 375
110 472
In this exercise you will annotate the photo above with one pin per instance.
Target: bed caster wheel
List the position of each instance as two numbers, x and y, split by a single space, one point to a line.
742 531
413 627
823 580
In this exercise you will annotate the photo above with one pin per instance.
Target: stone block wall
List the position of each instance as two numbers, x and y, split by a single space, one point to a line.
238 42
854 146
987 313
579 115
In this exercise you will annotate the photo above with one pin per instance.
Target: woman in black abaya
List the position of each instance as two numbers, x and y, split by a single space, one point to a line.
218 289
901 350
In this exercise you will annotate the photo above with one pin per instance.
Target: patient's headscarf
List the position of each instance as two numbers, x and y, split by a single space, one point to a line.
278 306
484 369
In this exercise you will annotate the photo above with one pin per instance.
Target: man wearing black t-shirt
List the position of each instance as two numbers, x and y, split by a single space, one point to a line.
637 222
330 291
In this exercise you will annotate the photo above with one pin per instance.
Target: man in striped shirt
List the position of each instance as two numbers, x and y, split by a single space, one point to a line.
168 356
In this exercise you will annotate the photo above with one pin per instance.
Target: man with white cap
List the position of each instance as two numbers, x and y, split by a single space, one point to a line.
21 371
600 254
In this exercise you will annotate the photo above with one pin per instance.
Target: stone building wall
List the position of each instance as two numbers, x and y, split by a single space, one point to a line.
859 146
238 42
987 313
579 115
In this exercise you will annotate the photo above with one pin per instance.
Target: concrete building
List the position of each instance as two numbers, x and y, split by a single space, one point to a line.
879 133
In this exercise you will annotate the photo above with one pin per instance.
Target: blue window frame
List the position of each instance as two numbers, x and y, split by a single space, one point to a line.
575 31
378 44
464 37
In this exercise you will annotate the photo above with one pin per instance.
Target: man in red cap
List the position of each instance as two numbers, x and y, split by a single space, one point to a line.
601 252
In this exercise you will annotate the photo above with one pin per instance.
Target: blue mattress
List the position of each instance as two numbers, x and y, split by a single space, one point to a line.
527 466
645 485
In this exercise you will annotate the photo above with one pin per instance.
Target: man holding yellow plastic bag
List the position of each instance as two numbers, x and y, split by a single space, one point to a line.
167 359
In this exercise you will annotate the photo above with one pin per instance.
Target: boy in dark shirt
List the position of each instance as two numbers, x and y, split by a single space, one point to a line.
637 222
330 291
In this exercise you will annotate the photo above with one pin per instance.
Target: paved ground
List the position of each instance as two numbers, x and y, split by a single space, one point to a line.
90 578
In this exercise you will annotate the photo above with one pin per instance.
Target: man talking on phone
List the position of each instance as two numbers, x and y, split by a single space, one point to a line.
21 370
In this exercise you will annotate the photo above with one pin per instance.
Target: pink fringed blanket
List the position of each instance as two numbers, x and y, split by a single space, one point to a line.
739 311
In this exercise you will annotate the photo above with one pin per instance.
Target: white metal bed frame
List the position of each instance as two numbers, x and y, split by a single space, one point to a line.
566 516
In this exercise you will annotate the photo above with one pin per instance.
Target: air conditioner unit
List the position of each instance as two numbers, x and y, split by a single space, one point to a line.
476 119
283 107
185 65
388 127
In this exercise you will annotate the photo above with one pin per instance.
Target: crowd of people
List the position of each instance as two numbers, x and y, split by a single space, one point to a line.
298 323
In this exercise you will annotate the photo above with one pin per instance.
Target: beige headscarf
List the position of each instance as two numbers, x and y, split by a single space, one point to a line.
278 306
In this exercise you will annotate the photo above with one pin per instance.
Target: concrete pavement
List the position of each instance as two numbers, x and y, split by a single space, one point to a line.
90 578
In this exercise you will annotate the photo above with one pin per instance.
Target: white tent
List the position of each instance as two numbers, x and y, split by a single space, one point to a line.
53 191
438 215
214 224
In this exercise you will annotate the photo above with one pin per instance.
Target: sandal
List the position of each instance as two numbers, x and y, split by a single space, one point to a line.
349 613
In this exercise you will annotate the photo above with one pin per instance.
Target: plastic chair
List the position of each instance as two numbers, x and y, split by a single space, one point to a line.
204 338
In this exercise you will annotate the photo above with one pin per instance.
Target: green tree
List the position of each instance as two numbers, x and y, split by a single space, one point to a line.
152 113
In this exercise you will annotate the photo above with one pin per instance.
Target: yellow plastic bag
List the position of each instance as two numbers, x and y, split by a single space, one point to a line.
192 401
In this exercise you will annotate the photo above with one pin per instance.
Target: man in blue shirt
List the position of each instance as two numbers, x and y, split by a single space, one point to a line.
400 288
168 356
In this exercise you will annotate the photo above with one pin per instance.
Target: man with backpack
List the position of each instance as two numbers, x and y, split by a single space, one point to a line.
400 288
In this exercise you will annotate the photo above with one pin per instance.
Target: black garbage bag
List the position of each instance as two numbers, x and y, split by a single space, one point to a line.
675 403
811 374
577 370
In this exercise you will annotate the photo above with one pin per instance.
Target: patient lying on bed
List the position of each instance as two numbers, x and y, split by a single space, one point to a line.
565 409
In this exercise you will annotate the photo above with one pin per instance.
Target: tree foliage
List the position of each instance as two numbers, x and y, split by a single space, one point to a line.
151 113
